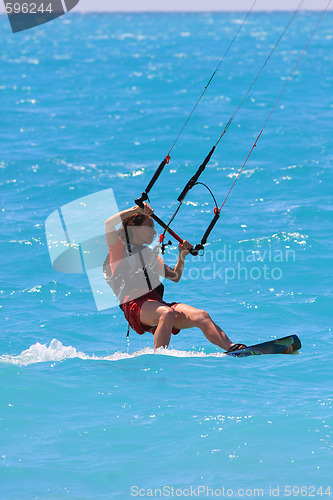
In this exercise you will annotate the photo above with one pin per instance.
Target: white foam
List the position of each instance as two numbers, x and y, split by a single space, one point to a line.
39 353
56 351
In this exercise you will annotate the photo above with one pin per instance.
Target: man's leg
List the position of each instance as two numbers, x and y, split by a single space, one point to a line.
189 317
181 316
154 313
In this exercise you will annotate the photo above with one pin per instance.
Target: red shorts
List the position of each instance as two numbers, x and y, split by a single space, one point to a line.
132 312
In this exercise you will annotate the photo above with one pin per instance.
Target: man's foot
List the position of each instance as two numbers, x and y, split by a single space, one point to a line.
236 347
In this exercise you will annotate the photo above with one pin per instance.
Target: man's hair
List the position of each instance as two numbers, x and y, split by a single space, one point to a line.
134 220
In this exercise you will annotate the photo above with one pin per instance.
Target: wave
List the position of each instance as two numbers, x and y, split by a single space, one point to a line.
56 351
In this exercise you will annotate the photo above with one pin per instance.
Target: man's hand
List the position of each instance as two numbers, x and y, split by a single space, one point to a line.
146 210
184 248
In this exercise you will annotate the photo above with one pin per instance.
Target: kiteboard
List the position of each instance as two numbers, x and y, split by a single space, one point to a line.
285 345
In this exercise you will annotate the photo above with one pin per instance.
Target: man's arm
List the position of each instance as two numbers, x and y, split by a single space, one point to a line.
112 222
176 273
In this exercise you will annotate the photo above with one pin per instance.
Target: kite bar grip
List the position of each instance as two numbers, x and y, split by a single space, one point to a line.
144 196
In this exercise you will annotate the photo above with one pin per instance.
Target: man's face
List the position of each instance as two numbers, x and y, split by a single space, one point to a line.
148 230
145 233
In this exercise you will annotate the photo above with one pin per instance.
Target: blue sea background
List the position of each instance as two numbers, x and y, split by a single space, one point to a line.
94 102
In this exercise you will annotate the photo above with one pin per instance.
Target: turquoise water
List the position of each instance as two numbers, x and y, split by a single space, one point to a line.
94 102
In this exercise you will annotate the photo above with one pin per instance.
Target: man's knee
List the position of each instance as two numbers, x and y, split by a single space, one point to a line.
202 316
167 313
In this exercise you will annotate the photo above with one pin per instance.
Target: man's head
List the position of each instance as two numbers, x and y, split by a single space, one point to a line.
140 229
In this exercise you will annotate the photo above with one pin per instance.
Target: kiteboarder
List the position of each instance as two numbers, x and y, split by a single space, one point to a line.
133 270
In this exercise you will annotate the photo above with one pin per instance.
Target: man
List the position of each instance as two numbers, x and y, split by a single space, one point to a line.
133 273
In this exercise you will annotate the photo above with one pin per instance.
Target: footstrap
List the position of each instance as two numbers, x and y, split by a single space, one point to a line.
236 347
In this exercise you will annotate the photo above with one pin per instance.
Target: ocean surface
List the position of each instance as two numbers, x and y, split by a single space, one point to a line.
91 103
